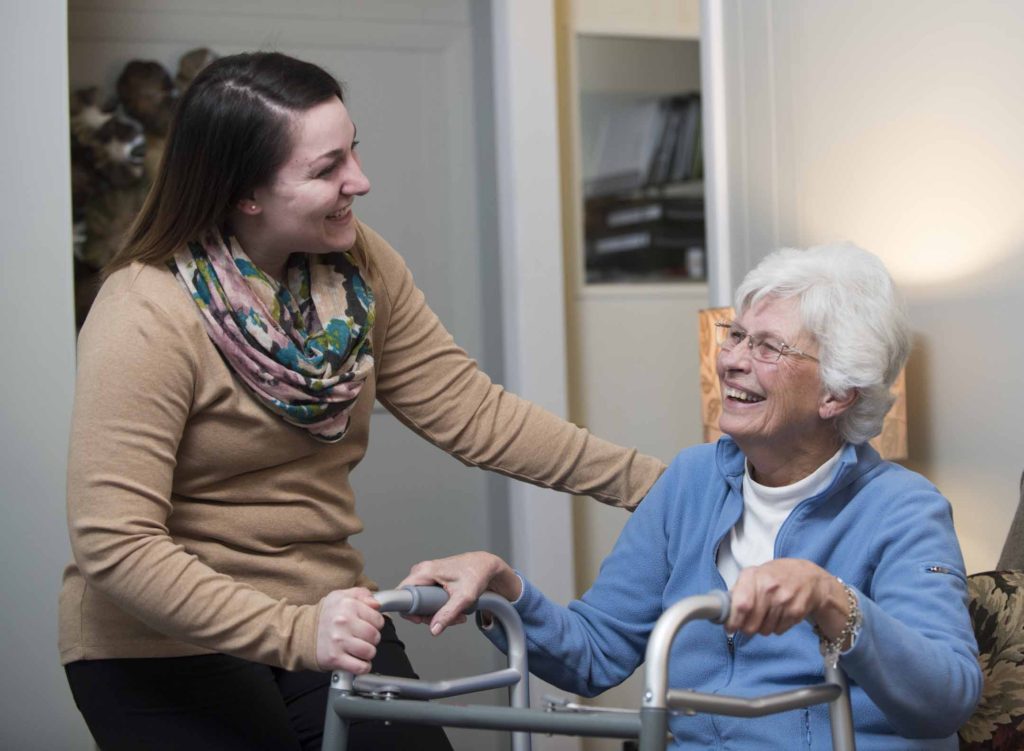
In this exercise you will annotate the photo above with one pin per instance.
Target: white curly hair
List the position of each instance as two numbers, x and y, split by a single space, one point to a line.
849 304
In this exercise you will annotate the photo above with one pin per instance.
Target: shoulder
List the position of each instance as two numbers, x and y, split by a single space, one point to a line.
146 285
691 474
895 485
699 457
143 303
375 253
716 463
384 269
897 503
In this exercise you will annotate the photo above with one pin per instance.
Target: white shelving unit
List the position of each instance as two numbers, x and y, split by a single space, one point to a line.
633 363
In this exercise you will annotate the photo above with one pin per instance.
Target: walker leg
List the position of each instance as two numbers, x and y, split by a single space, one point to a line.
335 727
653 728
521 741
840 712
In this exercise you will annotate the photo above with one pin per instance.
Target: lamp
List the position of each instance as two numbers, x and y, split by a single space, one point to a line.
891 443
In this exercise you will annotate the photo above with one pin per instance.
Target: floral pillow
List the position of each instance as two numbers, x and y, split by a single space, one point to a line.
997 613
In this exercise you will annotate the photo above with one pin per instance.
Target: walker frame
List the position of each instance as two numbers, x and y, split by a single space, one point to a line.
380 696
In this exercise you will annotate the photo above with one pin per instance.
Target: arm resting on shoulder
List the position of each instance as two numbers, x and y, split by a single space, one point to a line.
437 390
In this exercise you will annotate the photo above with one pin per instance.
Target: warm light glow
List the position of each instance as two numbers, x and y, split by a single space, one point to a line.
926 195
891 444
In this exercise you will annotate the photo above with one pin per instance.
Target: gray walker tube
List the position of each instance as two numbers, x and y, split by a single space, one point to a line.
650 725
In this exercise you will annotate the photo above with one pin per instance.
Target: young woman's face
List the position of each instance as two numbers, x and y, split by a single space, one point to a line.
307 207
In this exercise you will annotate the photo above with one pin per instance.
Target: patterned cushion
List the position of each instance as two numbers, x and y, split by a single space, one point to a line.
997 613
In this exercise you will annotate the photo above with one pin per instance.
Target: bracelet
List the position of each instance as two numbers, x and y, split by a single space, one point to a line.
830 648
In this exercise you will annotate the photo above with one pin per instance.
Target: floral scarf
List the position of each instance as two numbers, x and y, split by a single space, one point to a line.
302 347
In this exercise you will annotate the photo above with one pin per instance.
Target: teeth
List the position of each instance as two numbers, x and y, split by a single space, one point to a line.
743 396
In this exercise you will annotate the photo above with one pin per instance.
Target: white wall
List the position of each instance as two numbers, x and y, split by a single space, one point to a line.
898 126
533 330
37 339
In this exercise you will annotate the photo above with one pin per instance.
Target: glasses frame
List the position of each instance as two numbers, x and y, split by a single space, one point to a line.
783 350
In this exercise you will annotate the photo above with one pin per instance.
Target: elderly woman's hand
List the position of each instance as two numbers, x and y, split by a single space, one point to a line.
775 596
464 577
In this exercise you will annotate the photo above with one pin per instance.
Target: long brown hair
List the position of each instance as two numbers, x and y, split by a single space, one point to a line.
229 135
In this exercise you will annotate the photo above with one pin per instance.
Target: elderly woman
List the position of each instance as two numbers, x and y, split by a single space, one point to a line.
825 547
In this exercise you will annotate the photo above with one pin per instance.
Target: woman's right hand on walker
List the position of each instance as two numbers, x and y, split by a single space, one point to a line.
348 631
464 577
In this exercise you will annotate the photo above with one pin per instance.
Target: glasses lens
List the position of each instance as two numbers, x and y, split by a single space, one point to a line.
725 334
767 351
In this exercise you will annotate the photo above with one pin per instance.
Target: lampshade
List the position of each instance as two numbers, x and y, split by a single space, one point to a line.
891 443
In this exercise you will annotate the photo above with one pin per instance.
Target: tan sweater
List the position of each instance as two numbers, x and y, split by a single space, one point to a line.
201 522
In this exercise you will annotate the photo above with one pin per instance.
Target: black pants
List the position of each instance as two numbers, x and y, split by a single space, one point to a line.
222 703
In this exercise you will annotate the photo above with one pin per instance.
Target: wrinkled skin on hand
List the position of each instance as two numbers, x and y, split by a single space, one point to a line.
775 596
464 577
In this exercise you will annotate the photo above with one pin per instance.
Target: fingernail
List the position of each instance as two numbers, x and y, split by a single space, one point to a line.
435 629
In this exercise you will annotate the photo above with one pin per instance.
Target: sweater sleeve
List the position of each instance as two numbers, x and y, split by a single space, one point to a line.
916 655
134 389
437 390
600 639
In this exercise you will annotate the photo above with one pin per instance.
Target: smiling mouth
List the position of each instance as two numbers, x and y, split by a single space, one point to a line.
742 396
344 213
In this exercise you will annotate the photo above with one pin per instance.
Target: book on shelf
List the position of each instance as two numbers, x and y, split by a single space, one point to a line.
644 239
661 163
646 254
645 143
688 142
627 140
654 211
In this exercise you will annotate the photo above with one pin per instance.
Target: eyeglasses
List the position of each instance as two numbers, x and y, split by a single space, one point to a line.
730 336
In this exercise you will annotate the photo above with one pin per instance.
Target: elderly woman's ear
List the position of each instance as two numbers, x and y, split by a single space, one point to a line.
833 405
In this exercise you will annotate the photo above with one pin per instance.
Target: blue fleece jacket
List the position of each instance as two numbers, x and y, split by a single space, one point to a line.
882 529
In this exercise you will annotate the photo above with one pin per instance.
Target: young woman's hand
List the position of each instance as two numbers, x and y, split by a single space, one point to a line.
348 631
775 596
464 577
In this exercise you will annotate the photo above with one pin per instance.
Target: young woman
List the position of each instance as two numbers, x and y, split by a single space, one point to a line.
226 377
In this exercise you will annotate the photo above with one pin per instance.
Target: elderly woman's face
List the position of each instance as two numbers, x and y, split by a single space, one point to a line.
777 404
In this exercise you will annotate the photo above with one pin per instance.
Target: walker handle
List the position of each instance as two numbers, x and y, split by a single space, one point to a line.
658 698
420 600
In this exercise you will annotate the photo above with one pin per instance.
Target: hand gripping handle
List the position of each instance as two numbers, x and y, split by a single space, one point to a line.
658 698
420 600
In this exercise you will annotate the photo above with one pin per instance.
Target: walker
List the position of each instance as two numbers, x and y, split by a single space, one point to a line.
382 697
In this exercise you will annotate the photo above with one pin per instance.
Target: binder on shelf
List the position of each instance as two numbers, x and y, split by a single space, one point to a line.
647 142
653 211
661 164
660 238
627 141
687 145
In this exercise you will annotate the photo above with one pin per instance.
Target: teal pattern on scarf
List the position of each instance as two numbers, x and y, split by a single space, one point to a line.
302 347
